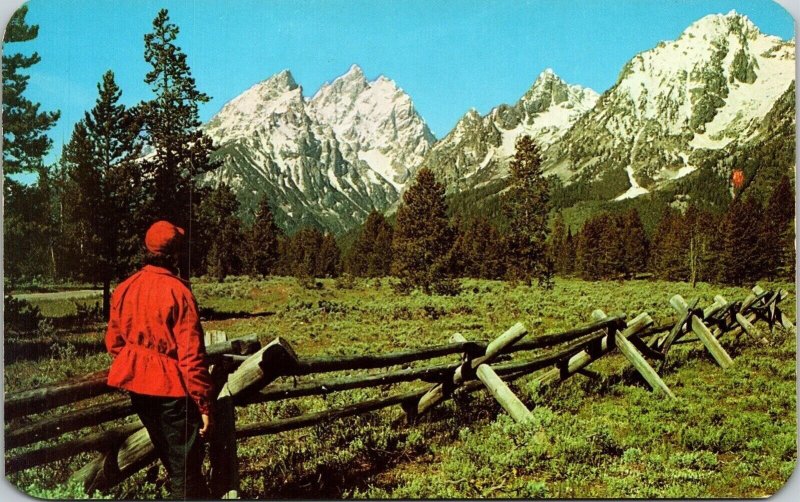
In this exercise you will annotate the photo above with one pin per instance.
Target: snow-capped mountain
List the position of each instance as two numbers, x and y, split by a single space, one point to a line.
327 161
478 148
375 122
674 103
693 105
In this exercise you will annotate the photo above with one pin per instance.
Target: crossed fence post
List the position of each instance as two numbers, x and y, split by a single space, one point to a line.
478 367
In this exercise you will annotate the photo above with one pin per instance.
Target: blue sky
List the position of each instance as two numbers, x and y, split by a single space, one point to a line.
448 55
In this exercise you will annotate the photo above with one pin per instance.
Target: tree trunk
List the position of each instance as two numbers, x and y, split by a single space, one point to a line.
106 297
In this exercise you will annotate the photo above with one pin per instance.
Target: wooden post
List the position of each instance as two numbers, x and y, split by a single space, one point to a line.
637 360
703 333
586 357
784 319
745 322
747 327
113 466
678 330
439 391
497 387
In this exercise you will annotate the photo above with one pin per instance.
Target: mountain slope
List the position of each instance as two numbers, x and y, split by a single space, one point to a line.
322 162
674 104
477 150
375 122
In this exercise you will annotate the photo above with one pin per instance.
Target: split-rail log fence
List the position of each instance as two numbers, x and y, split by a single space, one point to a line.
244 372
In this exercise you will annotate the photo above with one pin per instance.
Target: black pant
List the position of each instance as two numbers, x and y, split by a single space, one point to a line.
173 425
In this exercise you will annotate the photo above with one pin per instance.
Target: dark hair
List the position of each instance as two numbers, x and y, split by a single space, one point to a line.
167 261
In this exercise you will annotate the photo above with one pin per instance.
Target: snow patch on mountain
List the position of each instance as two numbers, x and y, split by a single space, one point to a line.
635 190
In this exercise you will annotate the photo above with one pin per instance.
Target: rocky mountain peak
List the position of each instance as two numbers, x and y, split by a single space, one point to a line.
347 86
549 89
282 81
716 26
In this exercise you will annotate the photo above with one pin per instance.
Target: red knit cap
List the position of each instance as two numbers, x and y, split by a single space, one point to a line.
163 237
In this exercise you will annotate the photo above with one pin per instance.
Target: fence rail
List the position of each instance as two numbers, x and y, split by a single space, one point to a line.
245 371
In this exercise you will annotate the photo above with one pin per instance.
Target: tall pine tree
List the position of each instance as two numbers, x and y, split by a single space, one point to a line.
740 257
262 241
104 188
635 244
328 257
422 235
478 251
180 150
526 204
221 230
587 255
371 254
556 245
777 238
25 142
28 226
568 255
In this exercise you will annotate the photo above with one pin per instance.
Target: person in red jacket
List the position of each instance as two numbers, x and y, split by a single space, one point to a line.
156 341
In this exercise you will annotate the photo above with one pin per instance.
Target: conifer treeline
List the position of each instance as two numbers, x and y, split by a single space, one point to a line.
746 243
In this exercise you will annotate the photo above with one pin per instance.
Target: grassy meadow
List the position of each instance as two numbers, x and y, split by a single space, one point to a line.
730 433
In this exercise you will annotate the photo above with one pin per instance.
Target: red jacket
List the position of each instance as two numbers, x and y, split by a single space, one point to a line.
156 340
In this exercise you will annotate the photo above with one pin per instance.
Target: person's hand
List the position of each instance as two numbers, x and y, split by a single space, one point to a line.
208 425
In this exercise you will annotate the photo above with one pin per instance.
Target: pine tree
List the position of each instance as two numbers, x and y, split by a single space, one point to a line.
612 250
105 189
371 254
328 257
478 251
221 232
635 245
587 256
262 241
303 253
180 150
777 238
422 236
669 248
568 254
526 204
740 257
25 142
556 245
380 262
27 224
701 238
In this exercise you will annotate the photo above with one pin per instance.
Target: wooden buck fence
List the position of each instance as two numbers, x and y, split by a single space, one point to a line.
244 371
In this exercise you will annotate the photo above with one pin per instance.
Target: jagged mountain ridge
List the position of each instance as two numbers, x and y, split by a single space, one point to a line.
395 139
679 107
478 148
671 105
326 161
